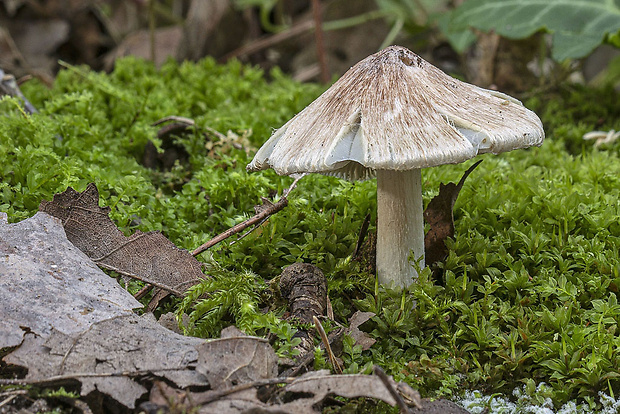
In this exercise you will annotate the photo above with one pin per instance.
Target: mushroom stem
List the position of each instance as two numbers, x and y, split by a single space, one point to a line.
400 225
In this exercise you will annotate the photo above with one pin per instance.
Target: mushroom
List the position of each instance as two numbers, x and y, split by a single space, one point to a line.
393 114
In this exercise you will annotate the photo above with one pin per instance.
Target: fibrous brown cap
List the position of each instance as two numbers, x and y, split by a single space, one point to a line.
395 111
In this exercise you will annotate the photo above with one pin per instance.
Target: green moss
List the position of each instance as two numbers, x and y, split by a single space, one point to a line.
529 287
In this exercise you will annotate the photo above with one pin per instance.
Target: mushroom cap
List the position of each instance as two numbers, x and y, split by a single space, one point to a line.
395 111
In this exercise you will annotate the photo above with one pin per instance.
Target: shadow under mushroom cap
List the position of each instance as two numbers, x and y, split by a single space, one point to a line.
395 111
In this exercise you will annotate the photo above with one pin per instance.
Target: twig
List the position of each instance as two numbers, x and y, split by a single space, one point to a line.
329 310
210 396
13 392
301 28
362 235
73 376
187 122
249 231
143 292
152 30
7 400
318 36
328 348
466 174
141 279
180 119
256 219
265 42
386 381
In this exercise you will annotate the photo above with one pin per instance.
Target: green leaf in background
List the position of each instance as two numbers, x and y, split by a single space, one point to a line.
577 26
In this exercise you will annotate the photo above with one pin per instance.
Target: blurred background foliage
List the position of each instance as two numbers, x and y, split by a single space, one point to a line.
513 45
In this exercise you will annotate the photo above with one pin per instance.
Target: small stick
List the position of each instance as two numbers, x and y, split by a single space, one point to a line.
329 312
8 400
249 231
141 279
153 49
180 119
328 348
187 122
386 381
318 36
210 396
74 376
271 40
362 235
256 219
143 292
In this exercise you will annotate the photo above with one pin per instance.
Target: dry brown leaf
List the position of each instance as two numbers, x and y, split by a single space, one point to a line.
306 394
439 216
150 257
313 389
203 18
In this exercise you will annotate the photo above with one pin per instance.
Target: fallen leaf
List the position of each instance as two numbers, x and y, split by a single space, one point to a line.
231 361
160 397
149 257
231 331
439 216
361 338
302 395
203 18
47 284
36 40
109 355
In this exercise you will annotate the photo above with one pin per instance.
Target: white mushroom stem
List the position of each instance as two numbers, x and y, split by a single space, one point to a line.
400 226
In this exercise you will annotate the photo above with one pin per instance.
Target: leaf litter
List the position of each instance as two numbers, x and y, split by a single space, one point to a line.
78 326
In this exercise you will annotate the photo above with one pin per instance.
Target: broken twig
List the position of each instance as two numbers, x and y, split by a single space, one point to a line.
141 279
73 376
267 211
404 409
328 348
210 396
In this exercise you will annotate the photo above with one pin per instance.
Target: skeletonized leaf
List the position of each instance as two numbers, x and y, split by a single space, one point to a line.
148 256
